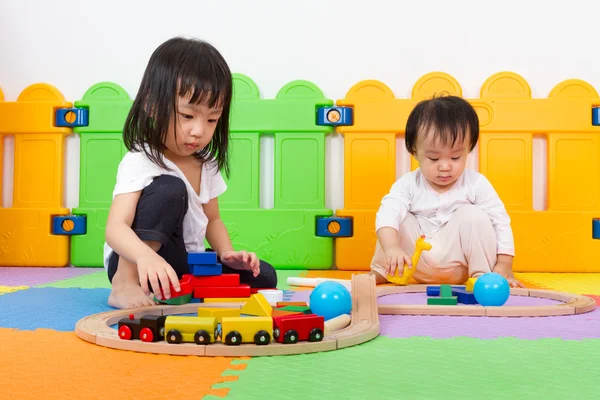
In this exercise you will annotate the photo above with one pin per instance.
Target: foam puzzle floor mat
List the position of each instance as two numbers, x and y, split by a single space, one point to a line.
415 357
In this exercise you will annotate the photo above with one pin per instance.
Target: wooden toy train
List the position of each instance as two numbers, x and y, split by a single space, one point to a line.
232 331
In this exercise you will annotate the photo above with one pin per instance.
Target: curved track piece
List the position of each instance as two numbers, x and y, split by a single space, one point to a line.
363 327
572 304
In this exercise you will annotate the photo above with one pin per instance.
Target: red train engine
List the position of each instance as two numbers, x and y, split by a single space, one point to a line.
148 328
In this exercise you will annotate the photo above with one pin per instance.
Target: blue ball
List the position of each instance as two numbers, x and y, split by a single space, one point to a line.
491 289
330 299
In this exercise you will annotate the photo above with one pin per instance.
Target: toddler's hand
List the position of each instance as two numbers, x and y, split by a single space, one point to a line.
154 268
395 258
242 260
506 271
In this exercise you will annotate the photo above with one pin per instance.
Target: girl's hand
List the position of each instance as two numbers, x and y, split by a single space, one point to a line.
242 260
152 267
506 271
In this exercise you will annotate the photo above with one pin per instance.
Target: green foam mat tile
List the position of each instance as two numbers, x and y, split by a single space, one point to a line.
90 281
426 368
284 274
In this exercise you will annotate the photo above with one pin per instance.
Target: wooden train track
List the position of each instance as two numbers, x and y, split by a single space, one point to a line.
364 326
571 304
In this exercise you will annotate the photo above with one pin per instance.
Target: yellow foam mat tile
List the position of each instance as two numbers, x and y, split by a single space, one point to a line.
582 283
46 364
10 289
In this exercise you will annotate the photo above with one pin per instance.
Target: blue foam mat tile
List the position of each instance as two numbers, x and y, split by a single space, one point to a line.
51 308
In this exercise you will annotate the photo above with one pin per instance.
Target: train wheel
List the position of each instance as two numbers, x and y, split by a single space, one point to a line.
146 335
125 332
202 337
290 337
316 335
276 333
262 337
174 336
233 338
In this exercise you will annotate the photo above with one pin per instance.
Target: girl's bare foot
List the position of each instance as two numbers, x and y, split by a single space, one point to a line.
129 296
126 290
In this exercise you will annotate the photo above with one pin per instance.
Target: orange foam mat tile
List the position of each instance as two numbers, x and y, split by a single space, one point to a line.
579 283
47 364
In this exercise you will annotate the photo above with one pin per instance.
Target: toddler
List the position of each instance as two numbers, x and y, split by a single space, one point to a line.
457 209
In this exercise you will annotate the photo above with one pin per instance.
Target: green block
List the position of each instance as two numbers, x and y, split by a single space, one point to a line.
176 301
442 301
302 309
284 238
101 151
445 291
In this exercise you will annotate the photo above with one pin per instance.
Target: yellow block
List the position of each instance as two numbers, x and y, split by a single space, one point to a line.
227 300
554 240
25 238
257 306
218 313
470 284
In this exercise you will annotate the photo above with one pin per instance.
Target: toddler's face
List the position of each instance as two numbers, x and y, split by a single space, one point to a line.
442 165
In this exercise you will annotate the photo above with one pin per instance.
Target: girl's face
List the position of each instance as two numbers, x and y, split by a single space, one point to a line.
442 165
195 124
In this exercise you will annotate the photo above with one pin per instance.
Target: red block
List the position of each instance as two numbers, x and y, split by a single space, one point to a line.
255 290
219 280
186 287
221 291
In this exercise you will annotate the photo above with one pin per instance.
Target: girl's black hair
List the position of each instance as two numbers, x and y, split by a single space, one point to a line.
180 67
448 118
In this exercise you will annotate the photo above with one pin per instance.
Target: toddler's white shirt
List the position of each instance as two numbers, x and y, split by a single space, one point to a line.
412 193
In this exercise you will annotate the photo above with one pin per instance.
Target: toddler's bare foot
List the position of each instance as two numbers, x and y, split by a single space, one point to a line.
379 279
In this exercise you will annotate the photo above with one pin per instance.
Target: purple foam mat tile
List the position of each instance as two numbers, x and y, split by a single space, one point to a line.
32 276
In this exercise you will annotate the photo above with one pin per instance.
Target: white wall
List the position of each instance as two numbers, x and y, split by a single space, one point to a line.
74 44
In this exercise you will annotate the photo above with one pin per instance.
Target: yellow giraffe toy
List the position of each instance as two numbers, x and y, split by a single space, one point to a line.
420 246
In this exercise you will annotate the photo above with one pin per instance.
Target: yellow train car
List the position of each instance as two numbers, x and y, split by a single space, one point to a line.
238 330
199 330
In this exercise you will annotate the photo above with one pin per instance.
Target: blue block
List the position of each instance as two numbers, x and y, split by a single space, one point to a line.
464 297
205 258
335 116
596 116
334 227
60 225
596 228
206 270
51 308
77 116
